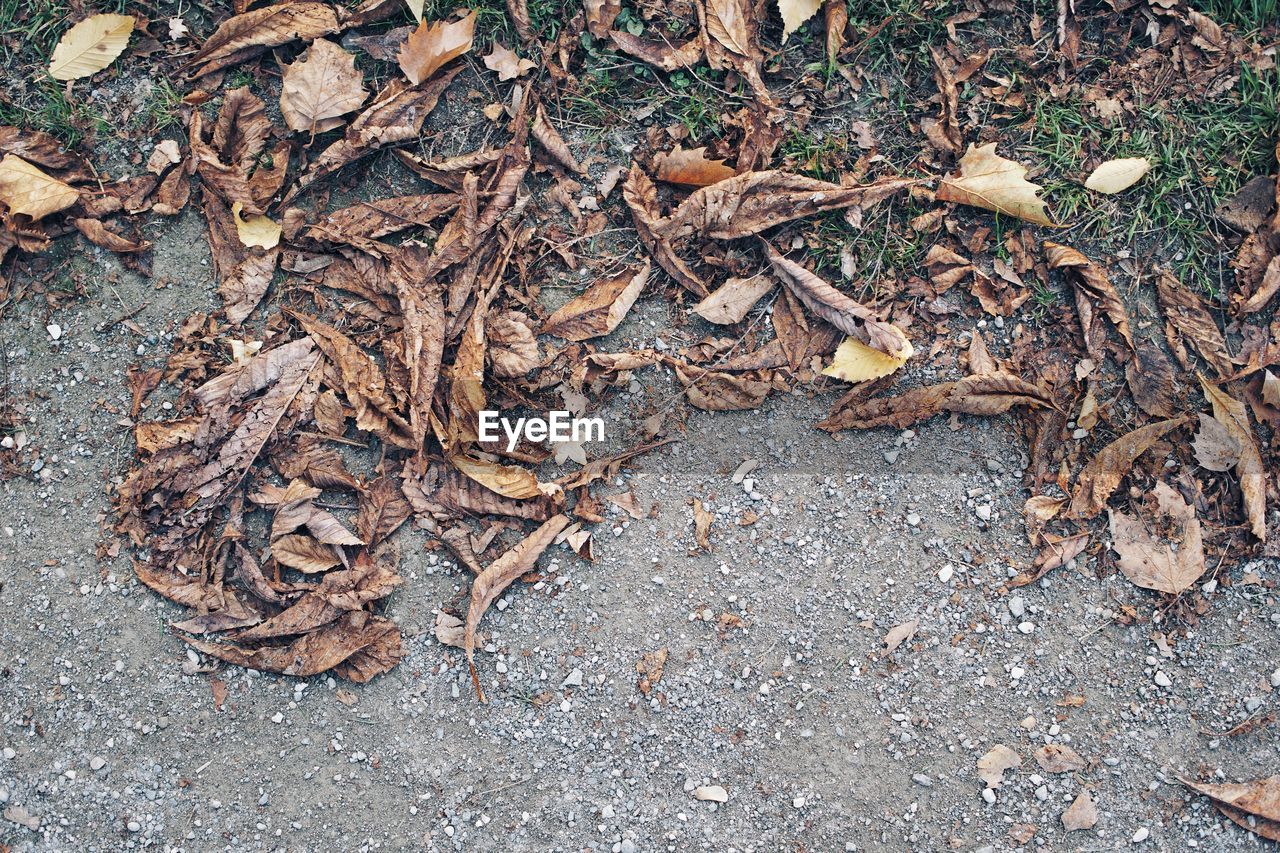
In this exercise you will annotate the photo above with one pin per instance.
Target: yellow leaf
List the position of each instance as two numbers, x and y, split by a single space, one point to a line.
27 190
795 13
90 46
854 361
991 182
255 229
1114 176
432 45
415 9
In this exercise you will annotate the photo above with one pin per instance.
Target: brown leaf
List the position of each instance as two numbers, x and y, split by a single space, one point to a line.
327 648
899 634
649 668
691 168
729 23
1146 559
642 199
715 391
1215 448
750 203
433 44
702 519
315 92
382 509
99 235
600 309
992 765
844 313
1081 814
601 15
730 302
304 553
1255 805
491 583
1150 377
661 54
246 283
1253 479
510 481
378 217
991 182
1188 318
1105 470
1058 758
396 115
513 348
242 37
507 63
986 394
549 138
1091 282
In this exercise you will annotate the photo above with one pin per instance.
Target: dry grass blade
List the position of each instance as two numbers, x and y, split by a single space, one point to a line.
499 575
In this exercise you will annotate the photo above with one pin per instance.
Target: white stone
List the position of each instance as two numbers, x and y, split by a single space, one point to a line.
1162 679
1141 835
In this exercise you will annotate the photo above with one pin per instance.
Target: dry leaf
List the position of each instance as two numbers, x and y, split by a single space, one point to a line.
1150 377
994 183
987 394
431 45
728 22
255 229
1188 318
1253 480
28 191
691 168
854 361
1091 282
1058 758
316 91
660 54
90 46
899 634
702 519
1270 389
1081 814
1215 448
1116 176
1255 806
844 313
991 767
243 36
730 302
1110 465
505 61
490 583
600 309
649 668
304 553
795 13
1148 560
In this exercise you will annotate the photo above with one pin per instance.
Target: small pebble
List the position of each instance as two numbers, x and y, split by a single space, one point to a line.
1141 835
1162 679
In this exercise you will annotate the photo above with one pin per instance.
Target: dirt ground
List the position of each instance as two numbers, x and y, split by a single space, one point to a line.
112 738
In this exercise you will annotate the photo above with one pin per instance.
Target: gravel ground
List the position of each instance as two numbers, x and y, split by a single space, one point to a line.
775 687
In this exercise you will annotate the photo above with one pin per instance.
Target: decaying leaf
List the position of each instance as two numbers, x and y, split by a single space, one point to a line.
660 54
987 394
899 634
992 765
90 46
26 190
991 182
1189 319
731 301
1093 284
649 668
316 91
1253 479
841 311
702 519
1112 464
1254 806
505 61
1058 758
1150 377
243 36
433 44
499 575
1215 448
1081 814
691 168
1116 176
600 309
1146 558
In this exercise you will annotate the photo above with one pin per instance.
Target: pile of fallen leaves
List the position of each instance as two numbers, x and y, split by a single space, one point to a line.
267 506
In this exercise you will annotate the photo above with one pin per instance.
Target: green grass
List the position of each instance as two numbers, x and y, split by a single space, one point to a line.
1201 153
1249 15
